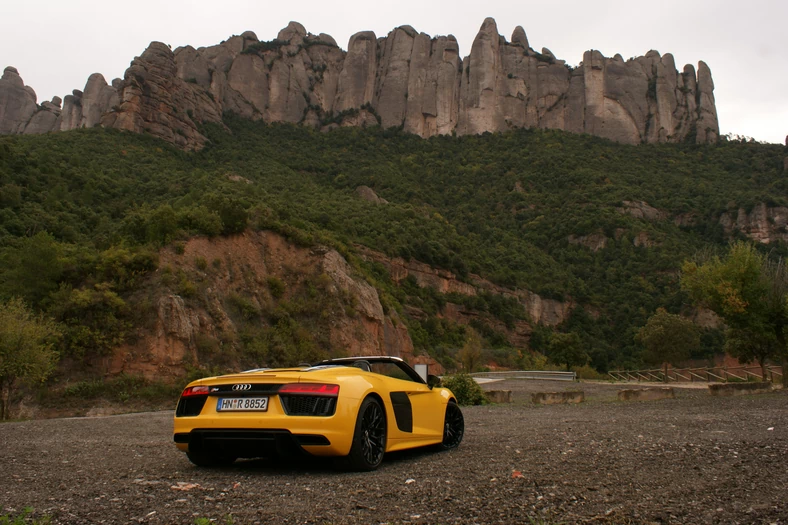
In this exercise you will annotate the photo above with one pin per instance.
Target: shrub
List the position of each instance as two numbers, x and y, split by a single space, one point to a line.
195 373
121 389
167 276
186 288
465 389
84 389
245 307
201 263
206 345
588 372
276 287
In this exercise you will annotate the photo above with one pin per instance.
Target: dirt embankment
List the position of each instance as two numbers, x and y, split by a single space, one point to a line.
694 459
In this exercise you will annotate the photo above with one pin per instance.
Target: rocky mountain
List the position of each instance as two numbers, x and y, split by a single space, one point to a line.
406 79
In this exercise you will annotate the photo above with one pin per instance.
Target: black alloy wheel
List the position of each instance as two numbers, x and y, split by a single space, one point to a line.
453 426
369 438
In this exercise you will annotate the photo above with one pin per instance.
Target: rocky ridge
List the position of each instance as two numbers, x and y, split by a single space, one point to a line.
406 79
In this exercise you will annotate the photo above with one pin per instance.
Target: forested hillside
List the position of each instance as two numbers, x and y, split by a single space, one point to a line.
601 226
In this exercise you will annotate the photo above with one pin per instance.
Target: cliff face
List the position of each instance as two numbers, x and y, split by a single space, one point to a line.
319 298
762 224
406 79
233 299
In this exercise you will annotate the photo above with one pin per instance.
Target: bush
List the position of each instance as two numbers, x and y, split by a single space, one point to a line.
94 319
195 373
588 372
465 389
84 389
122 388
243 306
276 287
186 288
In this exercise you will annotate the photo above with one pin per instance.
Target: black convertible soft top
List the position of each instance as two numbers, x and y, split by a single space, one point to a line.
360 361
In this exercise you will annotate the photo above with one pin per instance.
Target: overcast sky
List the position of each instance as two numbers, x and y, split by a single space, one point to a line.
56 45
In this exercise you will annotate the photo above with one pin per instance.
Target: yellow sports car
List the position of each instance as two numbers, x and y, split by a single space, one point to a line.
356 407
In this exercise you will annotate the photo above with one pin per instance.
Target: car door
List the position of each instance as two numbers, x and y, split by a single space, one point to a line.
428 410
418 409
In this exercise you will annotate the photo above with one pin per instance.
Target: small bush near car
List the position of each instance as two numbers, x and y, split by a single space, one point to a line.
467 390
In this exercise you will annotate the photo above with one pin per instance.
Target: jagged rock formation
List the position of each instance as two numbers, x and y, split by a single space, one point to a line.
18 104
406 79
762 224
153 99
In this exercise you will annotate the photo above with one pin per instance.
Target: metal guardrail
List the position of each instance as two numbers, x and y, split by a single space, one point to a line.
549 375
709 374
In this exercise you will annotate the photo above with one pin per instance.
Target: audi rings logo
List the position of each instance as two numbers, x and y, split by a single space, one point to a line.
242 387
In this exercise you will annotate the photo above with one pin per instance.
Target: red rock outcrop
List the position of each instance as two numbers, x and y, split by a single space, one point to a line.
241 266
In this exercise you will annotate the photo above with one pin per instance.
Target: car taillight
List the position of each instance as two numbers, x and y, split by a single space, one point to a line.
195 391
310 389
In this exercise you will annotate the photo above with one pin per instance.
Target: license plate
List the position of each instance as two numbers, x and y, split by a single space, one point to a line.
226 404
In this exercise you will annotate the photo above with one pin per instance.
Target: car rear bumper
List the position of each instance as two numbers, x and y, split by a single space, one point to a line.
249 443
251 434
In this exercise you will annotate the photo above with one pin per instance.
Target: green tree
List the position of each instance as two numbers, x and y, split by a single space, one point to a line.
470 354
26 349
94 319
34 269
668 338
747 345
231 211
200 219
162 224
748 291
567 349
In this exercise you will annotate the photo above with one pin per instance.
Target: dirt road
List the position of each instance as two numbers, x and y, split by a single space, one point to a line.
695 459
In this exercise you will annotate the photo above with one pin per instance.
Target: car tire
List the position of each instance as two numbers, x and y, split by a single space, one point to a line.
453 427
201 459
369 437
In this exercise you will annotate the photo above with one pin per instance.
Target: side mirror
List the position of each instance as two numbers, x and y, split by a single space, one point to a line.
433 381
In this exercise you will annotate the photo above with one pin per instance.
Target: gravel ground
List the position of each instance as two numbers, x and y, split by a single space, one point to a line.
694 459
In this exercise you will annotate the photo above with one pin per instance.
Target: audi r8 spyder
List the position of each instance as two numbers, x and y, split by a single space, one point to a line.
355 407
